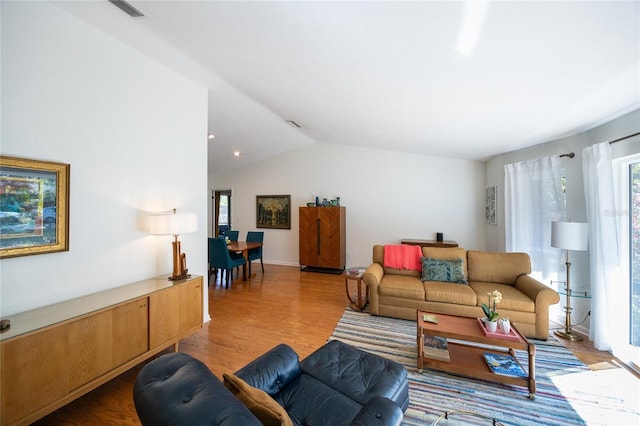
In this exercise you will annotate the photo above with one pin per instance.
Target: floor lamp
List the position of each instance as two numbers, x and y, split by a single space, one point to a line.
175 224
569 236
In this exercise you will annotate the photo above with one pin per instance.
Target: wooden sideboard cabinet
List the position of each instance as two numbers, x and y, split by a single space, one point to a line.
323 237
55 354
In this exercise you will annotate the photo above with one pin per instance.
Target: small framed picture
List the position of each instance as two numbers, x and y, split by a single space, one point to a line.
34 207
273 211
491 205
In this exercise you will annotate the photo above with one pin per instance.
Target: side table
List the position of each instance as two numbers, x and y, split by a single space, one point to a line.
359 300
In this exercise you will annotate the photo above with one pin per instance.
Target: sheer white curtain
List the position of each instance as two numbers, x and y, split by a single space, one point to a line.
534 199
603 243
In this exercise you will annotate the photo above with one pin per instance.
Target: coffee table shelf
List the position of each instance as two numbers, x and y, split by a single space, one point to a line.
466 357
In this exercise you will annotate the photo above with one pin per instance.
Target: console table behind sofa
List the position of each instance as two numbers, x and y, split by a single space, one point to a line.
55 354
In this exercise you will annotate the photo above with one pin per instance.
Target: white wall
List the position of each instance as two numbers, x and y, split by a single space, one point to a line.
576 207
134 133
388 196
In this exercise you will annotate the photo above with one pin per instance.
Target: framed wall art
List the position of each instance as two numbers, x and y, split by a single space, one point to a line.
34 207
273 211
491 205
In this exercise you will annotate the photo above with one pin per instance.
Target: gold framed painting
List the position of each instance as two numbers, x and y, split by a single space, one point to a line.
273 211
34 207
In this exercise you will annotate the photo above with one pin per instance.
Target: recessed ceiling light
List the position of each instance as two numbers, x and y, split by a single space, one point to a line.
237 153
211 136
293 124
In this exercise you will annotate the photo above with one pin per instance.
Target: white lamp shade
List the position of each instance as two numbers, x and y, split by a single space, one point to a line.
570 235
173 224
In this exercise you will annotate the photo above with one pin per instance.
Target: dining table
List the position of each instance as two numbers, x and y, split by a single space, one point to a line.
244 247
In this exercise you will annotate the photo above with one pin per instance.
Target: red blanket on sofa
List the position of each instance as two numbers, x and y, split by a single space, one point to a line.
403 256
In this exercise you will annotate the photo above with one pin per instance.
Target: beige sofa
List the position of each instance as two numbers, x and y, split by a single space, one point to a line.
399 293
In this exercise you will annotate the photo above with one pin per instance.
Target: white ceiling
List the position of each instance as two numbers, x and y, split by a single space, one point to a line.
387 74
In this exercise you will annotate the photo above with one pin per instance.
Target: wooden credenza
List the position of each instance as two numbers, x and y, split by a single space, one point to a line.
55 354
323 237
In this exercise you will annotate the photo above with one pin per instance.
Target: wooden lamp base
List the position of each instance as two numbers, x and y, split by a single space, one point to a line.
179 262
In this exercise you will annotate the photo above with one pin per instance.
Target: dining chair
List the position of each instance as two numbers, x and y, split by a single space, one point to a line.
219 258
256 253
232 234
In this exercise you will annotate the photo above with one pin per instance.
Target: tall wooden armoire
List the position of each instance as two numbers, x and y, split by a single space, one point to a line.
323 237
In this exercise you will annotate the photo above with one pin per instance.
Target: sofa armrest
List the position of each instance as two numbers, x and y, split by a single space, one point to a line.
378 411
272 371
373 275
372 278
541 294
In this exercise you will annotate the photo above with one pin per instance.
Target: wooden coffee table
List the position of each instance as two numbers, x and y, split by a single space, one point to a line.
466 356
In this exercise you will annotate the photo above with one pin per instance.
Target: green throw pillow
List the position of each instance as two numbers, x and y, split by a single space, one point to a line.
449 271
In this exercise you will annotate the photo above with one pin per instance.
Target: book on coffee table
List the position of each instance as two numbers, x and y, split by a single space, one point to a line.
505 365
436 347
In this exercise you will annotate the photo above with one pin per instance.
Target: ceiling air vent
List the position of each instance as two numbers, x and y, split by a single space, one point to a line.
127 8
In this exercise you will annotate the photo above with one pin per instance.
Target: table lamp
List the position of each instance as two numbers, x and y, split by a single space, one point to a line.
569 236
175 224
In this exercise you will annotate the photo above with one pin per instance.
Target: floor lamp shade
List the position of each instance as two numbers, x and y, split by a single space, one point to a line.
175 224
569 236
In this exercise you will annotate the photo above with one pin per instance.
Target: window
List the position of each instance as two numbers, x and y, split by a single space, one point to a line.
627 187
223 212
634 252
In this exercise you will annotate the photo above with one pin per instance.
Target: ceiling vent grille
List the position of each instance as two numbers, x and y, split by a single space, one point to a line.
127 8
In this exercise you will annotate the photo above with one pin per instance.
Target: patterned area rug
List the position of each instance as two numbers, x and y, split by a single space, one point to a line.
567 392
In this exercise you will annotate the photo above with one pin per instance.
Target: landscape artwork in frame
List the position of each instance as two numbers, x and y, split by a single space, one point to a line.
34 207
273 211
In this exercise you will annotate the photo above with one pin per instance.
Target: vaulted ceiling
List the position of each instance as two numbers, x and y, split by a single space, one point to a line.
389 75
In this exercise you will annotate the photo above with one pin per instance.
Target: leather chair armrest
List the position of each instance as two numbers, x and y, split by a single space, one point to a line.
272 371
378 411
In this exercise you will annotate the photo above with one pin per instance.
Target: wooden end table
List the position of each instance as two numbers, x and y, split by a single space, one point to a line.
466 359
359 300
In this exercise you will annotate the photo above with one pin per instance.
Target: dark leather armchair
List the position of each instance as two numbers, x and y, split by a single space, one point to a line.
336 385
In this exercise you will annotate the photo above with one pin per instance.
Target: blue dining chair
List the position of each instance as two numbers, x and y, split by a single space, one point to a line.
255 254
219 258
232 234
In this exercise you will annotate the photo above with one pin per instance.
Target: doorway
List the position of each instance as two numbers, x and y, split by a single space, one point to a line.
221 212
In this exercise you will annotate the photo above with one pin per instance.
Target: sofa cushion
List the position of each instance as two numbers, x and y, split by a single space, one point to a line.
512 298
265 408
401 286
443 270
437 291
503 268
443 253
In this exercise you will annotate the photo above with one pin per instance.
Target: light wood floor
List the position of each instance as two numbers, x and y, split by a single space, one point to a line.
283 305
